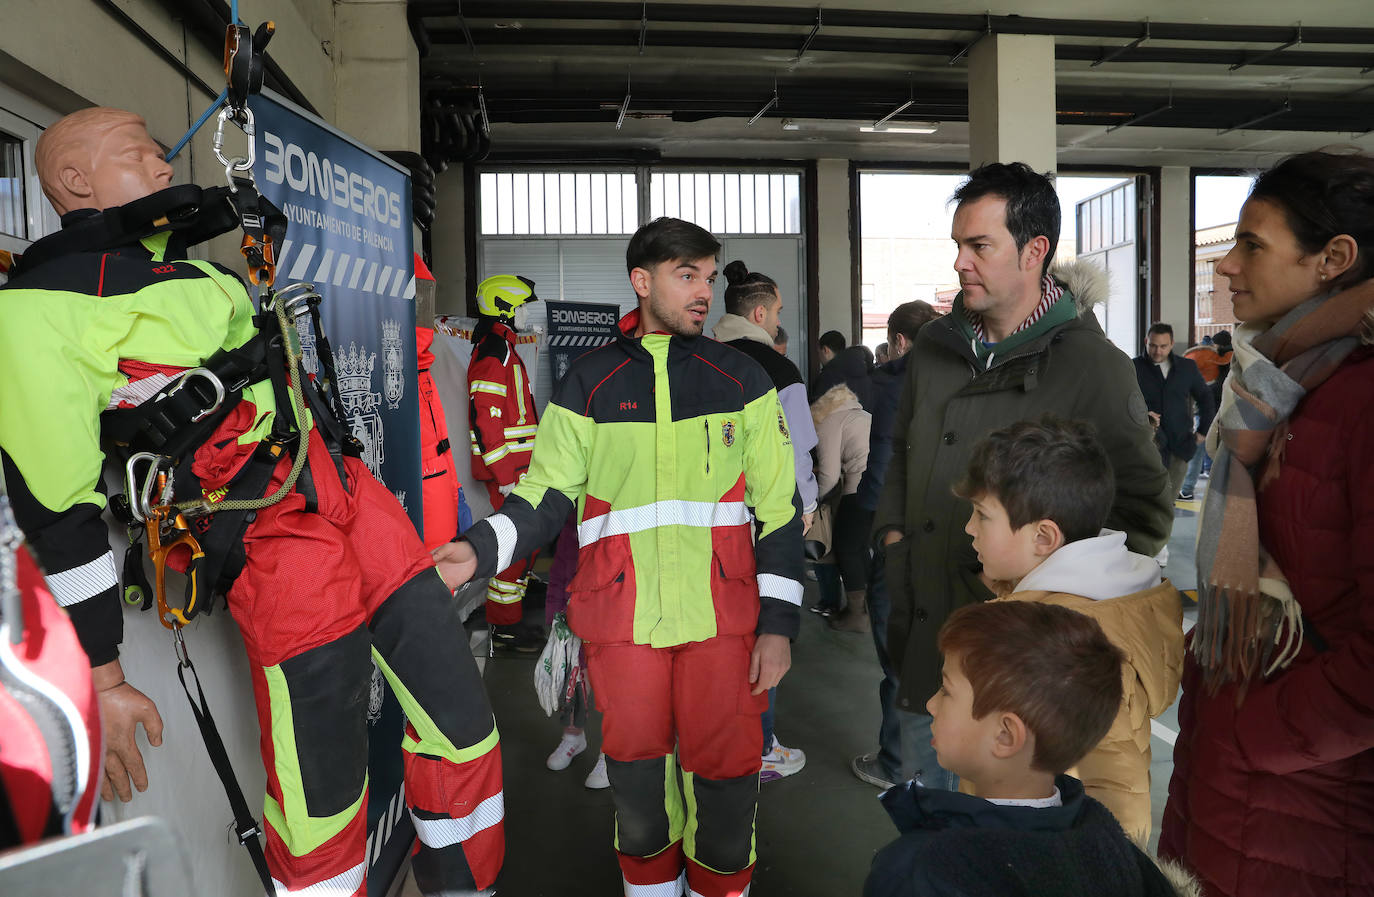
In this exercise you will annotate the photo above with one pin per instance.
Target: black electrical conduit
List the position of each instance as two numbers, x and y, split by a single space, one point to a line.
589 37
630 11
152 43
207 21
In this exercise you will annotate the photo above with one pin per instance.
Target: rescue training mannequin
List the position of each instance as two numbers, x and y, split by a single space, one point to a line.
502 423
333 575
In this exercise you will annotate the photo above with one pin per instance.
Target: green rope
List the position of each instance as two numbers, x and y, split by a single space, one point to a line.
293 359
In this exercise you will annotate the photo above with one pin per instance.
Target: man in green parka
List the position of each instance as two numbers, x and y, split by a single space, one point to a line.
1019 342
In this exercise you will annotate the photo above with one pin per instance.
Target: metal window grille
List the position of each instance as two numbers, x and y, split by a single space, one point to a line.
729 202
558 203
13 215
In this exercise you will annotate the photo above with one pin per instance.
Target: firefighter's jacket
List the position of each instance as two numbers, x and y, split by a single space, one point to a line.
96 330
501 412
677 455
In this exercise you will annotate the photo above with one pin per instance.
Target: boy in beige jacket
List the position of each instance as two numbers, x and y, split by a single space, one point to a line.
1041 491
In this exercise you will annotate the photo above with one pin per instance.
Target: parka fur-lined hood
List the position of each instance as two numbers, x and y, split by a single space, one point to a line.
1088 283
837 398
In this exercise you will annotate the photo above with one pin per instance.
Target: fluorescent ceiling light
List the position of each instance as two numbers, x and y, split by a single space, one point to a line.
909 127
836 124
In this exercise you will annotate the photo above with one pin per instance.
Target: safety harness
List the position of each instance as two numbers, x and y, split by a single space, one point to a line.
163 501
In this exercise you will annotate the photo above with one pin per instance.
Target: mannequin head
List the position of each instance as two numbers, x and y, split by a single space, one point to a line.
99 158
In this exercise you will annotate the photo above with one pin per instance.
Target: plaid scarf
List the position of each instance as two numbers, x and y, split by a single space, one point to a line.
1248 618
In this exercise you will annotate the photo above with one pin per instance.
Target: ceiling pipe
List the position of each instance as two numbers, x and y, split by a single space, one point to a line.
743 14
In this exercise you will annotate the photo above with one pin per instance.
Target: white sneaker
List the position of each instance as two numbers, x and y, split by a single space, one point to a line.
781 761
597 777
569 747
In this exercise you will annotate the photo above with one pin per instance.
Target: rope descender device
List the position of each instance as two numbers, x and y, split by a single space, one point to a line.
167 531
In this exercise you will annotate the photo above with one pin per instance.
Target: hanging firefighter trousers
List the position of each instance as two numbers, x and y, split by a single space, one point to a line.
695 697
506 590
325 592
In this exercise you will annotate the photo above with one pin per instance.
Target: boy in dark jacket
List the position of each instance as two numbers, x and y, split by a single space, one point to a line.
1027 691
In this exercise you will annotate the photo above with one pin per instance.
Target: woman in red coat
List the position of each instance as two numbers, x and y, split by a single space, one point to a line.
1273 785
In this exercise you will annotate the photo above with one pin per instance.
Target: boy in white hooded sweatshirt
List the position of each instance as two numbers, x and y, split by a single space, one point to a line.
1041 491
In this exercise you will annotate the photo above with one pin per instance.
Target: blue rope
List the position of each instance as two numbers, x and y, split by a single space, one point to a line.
219 101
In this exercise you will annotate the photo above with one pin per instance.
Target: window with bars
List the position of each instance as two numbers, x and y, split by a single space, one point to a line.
729 202
558 203
13 214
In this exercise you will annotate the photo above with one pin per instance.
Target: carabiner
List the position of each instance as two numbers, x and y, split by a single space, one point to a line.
243 120
215 384
140 494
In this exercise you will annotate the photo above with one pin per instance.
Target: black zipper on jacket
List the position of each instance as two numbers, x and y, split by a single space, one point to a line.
706 422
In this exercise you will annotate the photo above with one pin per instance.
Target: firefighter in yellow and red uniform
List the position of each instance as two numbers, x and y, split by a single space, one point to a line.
502 423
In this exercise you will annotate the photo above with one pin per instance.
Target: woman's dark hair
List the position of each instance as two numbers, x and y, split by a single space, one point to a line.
909 317
747 290
669 240
1324 195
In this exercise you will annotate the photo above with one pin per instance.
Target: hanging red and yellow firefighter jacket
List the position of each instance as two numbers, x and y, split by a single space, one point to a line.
677 456
501 412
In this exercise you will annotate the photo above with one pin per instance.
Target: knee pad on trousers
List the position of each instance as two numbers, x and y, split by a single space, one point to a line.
326 689
721 821
648 813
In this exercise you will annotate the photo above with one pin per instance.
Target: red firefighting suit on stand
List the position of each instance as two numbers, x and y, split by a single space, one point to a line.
334 578
442 492
503 421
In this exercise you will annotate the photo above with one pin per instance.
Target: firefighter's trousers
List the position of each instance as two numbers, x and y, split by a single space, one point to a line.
683 749
337 579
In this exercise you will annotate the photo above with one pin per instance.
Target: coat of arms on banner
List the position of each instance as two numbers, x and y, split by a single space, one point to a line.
393 364
310 359
362 404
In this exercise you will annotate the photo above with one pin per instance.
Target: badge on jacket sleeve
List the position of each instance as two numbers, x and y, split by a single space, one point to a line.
782 428
727 433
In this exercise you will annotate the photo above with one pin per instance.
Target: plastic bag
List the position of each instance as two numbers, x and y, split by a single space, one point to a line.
558 672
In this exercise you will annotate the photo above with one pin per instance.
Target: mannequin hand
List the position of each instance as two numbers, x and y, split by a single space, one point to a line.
506 490
456 562
771 659
122 708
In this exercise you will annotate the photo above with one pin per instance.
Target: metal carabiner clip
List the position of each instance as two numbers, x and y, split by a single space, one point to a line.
241 165
215 384
140 493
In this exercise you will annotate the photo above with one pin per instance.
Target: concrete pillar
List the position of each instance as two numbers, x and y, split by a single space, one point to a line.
448 240
834 262
1011 105
376 74
1175 249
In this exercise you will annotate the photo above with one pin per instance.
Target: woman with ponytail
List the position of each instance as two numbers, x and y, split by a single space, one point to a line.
1273 784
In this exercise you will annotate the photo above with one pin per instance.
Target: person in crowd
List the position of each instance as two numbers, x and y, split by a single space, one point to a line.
886 766
1172 386
687 616
1274 765
333 574
842 426
1020 341
1026 691
502 424
752 305
1041 491
882 354
831 344
1213 360
852 367
780 341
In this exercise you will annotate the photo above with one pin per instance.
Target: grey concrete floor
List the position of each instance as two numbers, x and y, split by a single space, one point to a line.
817 830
